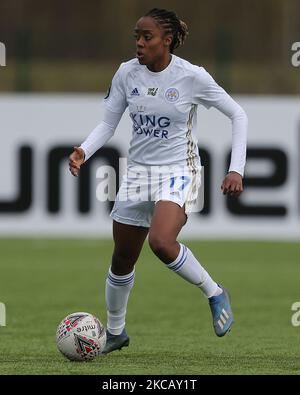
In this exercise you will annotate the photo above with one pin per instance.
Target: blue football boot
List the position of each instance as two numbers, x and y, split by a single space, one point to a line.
115 342
221 312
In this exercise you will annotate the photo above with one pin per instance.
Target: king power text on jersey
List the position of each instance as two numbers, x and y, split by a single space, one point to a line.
150 125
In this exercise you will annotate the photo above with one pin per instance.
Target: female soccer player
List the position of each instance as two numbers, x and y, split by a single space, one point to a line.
162 92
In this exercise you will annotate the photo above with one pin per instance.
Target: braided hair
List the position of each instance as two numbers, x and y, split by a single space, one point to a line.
170 22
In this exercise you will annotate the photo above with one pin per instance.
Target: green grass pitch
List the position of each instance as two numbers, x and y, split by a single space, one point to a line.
168 320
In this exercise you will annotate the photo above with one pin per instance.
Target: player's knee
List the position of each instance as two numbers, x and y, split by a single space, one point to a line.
121 261
159 245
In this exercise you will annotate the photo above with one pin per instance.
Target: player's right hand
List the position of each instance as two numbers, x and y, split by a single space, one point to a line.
76 159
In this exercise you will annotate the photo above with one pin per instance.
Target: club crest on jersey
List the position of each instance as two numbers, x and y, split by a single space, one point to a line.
152 91
172 95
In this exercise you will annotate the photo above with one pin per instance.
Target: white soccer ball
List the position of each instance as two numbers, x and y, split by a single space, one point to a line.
80 337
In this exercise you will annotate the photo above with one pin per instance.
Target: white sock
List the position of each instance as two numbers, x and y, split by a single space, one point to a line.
187 266
117 291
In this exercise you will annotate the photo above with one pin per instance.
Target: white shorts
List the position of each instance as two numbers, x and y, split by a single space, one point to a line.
142 187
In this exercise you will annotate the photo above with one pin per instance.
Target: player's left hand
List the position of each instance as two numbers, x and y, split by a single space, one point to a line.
232 184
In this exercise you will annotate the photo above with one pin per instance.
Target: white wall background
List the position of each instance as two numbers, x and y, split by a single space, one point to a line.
44 121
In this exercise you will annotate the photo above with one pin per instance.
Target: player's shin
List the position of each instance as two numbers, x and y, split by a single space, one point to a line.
117 292
189 268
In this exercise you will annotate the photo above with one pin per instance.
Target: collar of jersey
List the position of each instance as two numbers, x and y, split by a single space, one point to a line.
164 71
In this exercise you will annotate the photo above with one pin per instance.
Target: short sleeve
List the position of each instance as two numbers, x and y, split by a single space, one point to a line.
115 99
205 89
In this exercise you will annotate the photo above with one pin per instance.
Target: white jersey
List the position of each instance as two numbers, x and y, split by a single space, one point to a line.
163 109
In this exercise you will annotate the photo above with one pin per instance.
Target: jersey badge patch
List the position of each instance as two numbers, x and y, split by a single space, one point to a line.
152 91
141 108
135 92
172 95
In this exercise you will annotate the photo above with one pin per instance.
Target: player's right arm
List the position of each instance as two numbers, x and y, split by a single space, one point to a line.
115 105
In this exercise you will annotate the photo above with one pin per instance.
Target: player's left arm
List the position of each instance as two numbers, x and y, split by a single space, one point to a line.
233 182
210 94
